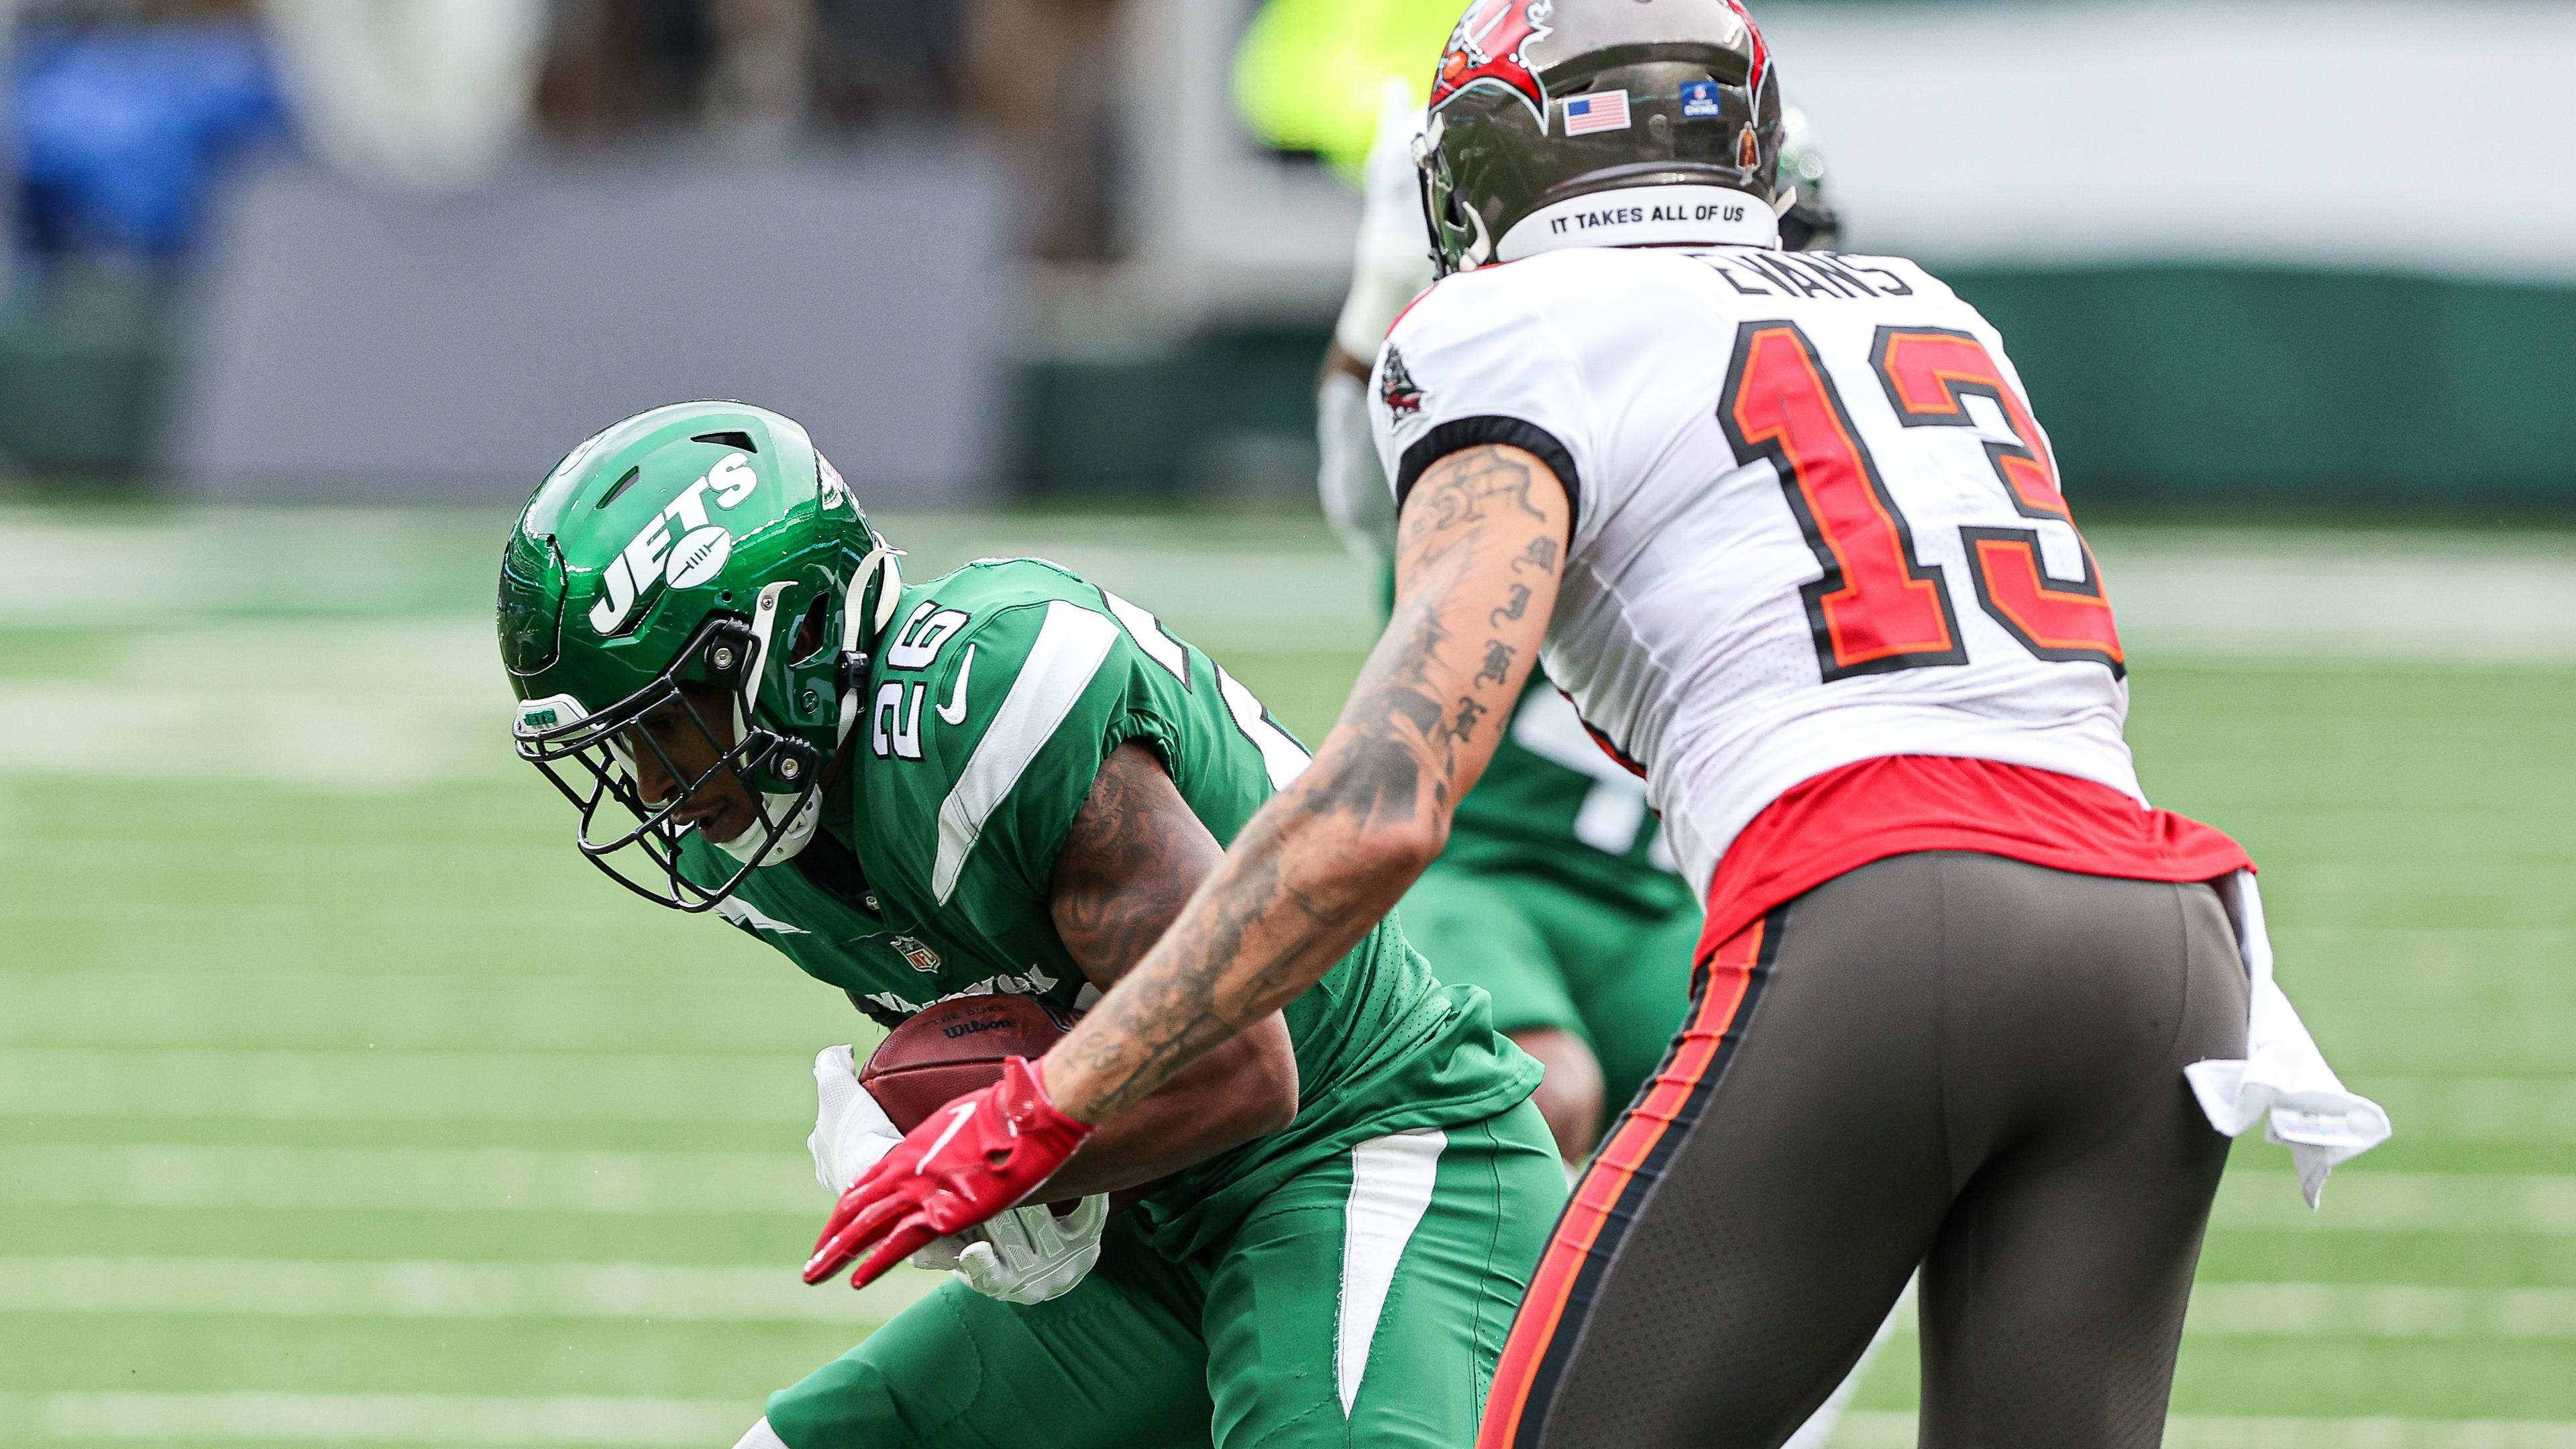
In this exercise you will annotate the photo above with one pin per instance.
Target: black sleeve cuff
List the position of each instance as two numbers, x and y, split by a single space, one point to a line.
1459 434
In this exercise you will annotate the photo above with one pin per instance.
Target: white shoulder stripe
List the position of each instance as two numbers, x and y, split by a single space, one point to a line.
1282 758
1148 633
1069 648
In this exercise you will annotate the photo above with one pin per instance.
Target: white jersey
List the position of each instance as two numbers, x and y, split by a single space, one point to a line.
1814 520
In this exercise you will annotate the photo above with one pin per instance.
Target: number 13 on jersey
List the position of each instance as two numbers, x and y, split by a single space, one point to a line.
1878 606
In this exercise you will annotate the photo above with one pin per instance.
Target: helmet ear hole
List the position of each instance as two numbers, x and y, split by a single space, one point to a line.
811 636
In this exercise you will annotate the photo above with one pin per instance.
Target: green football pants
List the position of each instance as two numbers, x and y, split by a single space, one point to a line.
1616 976
1362 1303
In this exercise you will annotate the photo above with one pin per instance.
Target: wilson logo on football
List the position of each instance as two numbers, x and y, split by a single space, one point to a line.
1490 47
699 554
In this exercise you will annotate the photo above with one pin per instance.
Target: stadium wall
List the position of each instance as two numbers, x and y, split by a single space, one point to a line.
2257 391
2271 255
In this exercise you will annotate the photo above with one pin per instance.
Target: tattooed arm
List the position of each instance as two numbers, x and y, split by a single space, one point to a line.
1478 550
1130 864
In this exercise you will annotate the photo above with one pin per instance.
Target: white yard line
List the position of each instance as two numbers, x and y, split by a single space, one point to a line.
404 1086
292 1418
653 1292
377 703
2366 1310
487 1179
528 1180
304 1418
642 1292
1884 1429
539 1085
2366 1201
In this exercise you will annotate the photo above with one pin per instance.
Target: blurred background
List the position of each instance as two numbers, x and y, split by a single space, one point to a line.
340 1103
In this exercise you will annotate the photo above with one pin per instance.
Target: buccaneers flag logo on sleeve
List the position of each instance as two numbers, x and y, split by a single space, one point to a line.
1490 47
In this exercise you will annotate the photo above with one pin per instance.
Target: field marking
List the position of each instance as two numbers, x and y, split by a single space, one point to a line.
648 1292
2402 1202
699 1423
532 1180
411 697
404 1086
266 1288
537 1085
372 705
424 1179
293 1418
2366 1310
2379 1310
1895 1429
682 1013
2413 595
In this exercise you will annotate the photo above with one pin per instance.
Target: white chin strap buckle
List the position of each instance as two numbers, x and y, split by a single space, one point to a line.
855 631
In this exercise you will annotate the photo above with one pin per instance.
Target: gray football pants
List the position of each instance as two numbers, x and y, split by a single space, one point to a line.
1945 1059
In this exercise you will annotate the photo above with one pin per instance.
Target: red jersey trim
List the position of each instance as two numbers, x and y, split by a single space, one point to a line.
1850 816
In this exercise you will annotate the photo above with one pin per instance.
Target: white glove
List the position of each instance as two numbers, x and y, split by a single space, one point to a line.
1357 502
1026 1255
851 1132
1390 266
1392 262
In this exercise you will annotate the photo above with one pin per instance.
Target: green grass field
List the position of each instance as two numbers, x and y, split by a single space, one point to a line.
341 1104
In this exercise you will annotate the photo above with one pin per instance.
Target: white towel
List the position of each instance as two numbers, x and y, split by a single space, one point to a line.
2284 1081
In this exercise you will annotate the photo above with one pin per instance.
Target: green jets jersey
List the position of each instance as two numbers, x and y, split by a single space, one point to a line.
992 701
1555 804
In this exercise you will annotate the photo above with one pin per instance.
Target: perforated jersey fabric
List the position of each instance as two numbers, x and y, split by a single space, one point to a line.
1714 623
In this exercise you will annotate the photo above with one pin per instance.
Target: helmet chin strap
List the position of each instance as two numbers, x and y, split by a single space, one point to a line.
804 809
799 817
858 630
794 836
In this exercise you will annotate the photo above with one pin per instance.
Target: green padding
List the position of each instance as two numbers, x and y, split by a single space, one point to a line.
80 379
2214 389
2295 390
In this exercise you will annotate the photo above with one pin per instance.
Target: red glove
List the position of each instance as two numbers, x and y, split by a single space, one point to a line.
978 1156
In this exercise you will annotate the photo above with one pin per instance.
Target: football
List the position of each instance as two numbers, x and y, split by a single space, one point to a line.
955 1048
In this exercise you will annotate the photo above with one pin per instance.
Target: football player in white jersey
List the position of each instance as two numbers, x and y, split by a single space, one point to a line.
1785 528
1555 894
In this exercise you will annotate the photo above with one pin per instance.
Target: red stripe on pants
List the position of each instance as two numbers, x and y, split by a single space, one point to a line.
1614 1167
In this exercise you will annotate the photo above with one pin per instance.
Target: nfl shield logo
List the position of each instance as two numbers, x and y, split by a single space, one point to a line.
918 952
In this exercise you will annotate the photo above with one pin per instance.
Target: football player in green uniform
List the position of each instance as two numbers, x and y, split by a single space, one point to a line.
1010 780
1556 893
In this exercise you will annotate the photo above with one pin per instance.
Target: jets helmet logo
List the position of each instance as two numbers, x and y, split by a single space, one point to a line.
652 556
1490 47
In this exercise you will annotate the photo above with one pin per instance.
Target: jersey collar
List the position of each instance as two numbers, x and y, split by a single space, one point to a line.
1666 215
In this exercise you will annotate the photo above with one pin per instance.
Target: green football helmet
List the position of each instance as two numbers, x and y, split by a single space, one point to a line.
704 543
